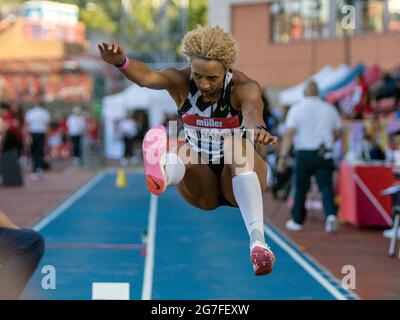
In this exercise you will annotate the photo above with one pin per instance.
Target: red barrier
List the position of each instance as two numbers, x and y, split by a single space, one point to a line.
361 202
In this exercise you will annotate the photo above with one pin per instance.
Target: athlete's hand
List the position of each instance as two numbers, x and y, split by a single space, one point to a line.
262 136
111 53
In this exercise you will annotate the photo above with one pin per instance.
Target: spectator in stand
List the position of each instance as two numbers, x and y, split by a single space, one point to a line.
93 130
377 152
142 123
76 124
396 77
143 126
37 120
364 110
361 83
393 151
281 179
63 128
269 118
388 87
361 97
12 133
2 128
371 150
63 131
18 113
54 141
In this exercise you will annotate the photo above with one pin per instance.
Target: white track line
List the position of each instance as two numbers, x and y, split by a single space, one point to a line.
303 263
150 249
68 202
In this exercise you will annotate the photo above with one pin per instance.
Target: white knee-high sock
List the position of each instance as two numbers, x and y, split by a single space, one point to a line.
174 168
248 195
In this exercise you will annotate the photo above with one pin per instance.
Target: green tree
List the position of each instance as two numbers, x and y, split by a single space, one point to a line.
197 13
100 15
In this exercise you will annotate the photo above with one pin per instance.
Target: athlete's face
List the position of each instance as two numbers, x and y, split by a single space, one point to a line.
208 76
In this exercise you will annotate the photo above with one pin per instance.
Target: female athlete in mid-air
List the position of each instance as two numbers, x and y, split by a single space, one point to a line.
216 166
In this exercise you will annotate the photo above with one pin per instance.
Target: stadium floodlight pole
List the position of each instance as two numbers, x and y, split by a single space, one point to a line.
125 8
346 47
165 23
184 23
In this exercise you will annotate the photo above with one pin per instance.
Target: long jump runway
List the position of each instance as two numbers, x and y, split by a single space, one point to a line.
162 248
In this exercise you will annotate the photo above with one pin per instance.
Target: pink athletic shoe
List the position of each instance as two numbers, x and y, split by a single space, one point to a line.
154 149
263 260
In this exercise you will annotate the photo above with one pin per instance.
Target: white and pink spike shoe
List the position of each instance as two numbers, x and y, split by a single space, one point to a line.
154 150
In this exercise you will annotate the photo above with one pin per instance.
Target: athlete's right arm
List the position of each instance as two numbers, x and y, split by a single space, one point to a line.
138 72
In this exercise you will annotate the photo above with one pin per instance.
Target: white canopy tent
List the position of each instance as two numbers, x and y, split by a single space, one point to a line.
294 94
156 102
336 76
324 78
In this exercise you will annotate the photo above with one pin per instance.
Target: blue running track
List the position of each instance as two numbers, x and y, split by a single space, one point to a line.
96 235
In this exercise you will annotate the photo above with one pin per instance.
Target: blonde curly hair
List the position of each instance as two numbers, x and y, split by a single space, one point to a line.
210 43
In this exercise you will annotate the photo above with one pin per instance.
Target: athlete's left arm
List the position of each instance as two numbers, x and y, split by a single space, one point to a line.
252 109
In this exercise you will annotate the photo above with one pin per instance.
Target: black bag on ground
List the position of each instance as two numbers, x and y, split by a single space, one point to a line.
10 169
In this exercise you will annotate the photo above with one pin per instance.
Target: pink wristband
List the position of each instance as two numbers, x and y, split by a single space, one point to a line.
125 65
